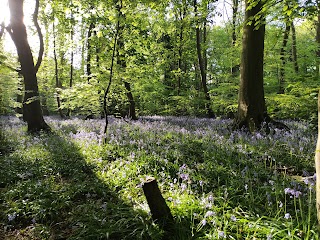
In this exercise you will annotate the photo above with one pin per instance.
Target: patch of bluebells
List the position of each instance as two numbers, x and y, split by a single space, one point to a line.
161 137
292 192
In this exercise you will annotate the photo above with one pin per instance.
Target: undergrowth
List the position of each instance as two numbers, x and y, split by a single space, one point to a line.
218 183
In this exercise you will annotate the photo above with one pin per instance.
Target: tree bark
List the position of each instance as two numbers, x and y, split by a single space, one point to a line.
294 48
252 111
31 105
317 164
132 104
202 64
318 41
235 5
283 59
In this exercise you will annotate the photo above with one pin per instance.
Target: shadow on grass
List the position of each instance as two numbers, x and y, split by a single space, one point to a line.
50 192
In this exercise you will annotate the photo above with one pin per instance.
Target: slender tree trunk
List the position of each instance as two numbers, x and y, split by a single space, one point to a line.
121 61
58 84
31 105
106 92
252 109
283 59
317 165
318 41
294 48
202 63
41 49
71 66
235 5
132 104
89 51
45 79
180 51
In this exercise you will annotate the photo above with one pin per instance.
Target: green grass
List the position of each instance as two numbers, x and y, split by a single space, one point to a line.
218 184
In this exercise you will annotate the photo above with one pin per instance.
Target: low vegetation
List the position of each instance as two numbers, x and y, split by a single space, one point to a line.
218 183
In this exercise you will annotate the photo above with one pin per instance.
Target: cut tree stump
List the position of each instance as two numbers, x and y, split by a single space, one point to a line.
160 211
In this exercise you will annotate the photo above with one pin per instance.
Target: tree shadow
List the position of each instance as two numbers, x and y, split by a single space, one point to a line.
53 193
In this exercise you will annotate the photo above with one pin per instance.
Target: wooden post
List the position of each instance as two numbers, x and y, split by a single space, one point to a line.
160 211
317 164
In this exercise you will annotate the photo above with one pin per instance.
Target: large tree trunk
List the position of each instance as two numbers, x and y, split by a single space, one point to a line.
251 104
283 59
202 65
32 109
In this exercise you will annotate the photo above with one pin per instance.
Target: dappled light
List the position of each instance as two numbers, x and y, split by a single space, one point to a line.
69 184
168 120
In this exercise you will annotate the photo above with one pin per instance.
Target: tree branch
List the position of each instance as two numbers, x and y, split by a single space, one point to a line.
41 50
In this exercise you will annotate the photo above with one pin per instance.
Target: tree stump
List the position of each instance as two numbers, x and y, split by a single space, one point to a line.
160 211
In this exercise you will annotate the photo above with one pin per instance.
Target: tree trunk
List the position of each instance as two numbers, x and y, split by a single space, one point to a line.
132 106
19 109
159 209
41 49
294 48
89 51
283 59
251 104
106 92
32 109
71 60
202 64
45 80
318 42
180 51
121 61
58 84
317 164
234 68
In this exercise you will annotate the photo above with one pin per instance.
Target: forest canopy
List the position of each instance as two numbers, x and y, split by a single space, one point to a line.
171 58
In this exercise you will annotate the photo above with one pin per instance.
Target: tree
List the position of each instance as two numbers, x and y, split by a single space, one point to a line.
202 58
318 38
252 111
282 57
32 111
